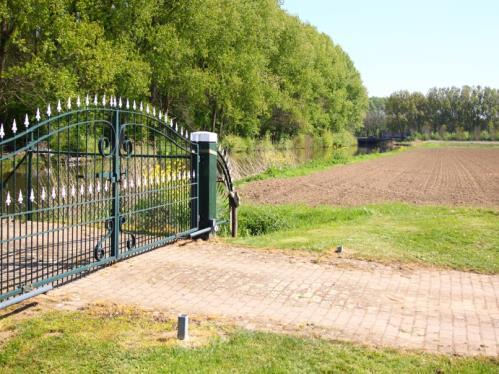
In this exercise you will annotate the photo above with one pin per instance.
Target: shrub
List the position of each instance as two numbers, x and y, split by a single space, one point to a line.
261 220
234 143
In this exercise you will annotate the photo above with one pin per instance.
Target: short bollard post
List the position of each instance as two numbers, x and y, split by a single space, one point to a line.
183 327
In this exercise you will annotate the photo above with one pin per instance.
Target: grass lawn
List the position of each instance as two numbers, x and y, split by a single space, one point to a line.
131 341
458 238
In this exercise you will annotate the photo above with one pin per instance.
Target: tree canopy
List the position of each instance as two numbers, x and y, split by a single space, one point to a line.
469 112
239 67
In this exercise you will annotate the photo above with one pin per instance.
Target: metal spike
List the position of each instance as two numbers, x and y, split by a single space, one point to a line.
154 111
141 108
73 190
69 103
38 116
44 194
181 131
87 100
8 200
32 196
127 104
78 101
95 100
97 188
120 103
171 123
160 115
82 189
106 186
63 192
104 100
176 127
134 106
147 108
14 126
111 102
2 132
59 107
53 193
90 189
26 121
186 134
49 112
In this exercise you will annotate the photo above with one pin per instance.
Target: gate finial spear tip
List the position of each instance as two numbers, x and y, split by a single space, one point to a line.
14 126
104 100
7 200
147 108
69 103
95 100
38 116
26 121
134 105
120 103
59 107
127 104
78 101
20 197
2 132
141 107
49 112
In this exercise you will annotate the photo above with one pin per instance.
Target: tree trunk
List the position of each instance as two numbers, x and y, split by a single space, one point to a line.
213 116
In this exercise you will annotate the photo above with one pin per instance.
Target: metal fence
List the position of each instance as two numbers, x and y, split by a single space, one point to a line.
94 182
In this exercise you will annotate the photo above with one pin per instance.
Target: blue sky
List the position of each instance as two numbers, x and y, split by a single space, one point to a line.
413 45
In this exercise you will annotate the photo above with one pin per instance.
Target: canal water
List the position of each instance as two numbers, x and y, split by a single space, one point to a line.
256 161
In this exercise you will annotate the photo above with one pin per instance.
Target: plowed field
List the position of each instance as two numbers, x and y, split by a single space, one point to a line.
444 176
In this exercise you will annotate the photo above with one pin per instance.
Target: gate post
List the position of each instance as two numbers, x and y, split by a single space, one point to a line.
207 178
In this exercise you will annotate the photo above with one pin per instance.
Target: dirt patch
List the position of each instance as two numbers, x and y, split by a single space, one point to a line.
448 176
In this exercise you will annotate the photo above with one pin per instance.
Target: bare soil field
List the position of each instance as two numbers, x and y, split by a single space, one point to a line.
441 176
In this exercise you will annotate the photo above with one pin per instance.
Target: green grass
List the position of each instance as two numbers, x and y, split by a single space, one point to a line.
338 157
458 238
60 342
457 144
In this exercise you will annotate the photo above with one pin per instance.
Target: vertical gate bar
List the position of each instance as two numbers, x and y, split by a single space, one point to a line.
115 237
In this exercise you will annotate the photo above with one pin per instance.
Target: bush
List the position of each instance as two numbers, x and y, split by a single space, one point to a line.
344 139
261 220
235 143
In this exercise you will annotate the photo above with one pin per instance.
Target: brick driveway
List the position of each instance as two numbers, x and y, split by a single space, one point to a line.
433 310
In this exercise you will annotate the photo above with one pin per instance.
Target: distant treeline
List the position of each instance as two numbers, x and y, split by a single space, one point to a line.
443 113
236 67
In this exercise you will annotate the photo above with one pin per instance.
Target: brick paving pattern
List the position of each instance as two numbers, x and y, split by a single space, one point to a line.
433 310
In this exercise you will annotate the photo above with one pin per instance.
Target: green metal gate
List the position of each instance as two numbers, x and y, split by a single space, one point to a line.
97 181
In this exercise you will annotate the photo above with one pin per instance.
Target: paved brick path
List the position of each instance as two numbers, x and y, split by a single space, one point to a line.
444 311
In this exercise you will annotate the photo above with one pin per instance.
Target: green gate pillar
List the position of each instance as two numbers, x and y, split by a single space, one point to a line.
207 178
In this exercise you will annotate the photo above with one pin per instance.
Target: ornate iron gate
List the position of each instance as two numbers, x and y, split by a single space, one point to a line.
101 180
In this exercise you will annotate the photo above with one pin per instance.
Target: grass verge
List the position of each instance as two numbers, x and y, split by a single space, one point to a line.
457 144
458 238
338 157
60 342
